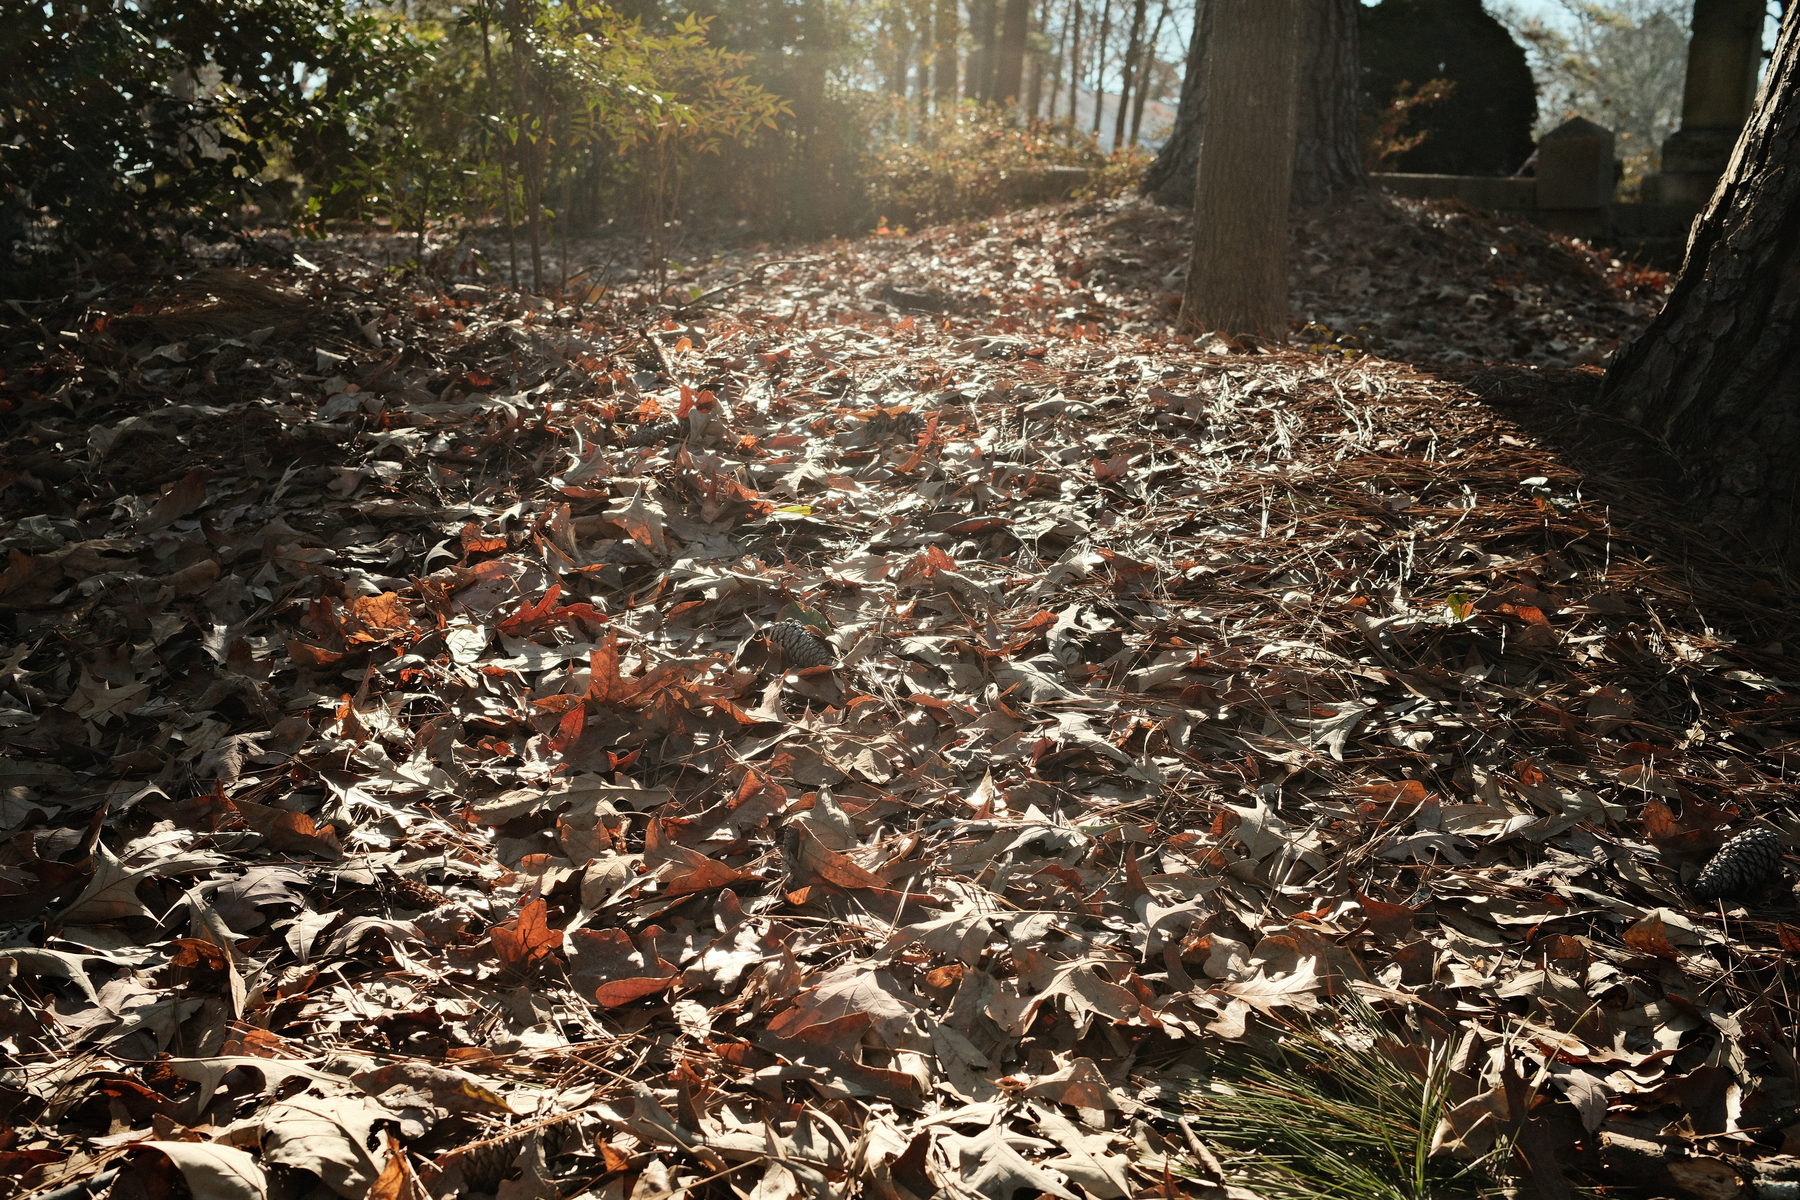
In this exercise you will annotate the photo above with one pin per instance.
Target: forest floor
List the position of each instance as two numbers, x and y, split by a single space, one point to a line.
901 725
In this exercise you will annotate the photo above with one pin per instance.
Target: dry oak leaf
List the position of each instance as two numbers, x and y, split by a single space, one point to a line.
1077 983
397 1180
291 832
988 1164
604 964
1296 989
215 1172
808 856
1086 1158
1650 937
855 989
527 938
456 1091
380 612
683 871
329 1138
182 498
1079 1084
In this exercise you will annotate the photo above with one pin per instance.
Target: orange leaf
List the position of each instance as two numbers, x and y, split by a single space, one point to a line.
291 832
1649 937
475 543
528 938
1409 791
1387 920
309 656
816 858
381 612
605 686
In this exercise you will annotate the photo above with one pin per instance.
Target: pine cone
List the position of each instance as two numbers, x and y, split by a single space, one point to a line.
1743 863
800 645
650 435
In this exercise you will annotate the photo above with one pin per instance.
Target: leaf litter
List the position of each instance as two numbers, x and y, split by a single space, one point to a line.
802 744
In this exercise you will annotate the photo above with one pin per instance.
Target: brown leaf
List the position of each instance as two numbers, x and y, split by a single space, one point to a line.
526 938
1388 920
811 857
1649 937
182 498
604 964
380 612
453 1090
291 832
1079 1084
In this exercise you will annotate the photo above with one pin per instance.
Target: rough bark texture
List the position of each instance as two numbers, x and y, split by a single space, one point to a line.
1237 280
1716 376
1170 177
1326 158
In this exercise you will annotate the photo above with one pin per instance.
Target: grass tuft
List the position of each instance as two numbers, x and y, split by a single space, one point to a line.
1344 1110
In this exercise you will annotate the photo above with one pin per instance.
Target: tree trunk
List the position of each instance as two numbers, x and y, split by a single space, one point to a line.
1237 278
1326 154
506 192
1716 376
983 15
1009 68
945 67
1075 72
923 78
1128 74
1034 99
1100 63
1149 59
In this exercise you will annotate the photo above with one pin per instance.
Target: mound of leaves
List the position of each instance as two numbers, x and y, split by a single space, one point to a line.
457 745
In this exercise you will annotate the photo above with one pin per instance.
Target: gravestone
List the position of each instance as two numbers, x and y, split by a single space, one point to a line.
1724 60
1484 126
1575 166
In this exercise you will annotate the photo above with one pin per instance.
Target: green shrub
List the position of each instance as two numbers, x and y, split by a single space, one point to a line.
120 119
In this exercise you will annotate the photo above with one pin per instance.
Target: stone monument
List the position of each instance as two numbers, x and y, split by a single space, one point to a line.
1724 60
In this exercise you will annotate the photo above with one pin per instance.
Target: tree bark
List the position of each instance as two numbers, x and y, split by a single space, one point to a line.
1035 60
1169 179
1009 67
1326 158
1716 376
945 66
1237 278
1056 64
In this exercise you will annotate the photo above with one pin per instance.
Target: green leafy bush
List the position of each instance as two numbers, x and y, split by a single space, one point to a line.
122 118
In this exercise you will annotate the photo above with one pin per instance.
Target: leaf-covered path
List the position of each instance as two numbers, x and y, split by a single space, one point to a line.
903 726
